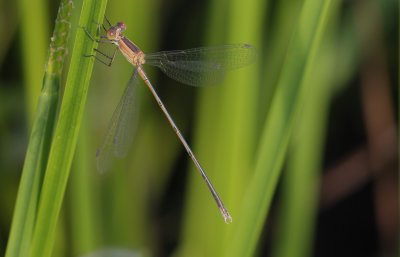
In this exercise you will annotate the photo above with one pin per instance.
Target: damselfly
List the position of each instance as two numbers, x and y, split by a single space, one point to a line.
195 67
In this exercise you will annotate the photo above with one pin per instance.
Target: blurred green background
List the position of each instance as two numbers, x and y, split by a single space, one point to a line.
301 145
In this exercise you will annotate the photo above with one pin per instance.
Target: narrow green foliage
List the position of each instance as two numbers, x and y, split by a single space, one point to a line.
84 207
58 43
263 122
296 232
225 134
34 40
66 133
277 130
40 139
295 235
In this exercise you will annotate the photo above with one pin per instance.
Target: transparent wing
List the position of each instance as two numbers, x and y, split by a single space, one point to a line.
204 65
121 129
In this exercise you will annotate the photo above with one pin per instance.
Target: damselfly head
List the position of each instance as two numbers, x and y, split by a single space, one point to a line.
114 32
121 25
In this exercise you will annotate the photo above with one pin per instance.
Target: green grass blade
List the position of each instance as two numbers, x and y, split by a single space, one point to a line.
66 133
34 40
225 132
278 126
83 200
40 139
295 235
301 179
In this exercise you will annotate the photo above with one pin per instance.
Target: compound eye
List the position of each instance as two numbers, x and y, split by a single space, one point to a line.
121 25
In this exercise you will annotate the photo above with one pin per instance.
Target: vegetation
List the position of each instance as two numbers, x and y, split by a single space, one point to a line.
267 124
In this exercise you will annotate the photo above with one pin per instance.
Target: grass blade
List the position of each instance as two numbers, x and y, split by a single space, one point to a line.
277 129
34 36
225 132
40 139
83 201
301 179
66 133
